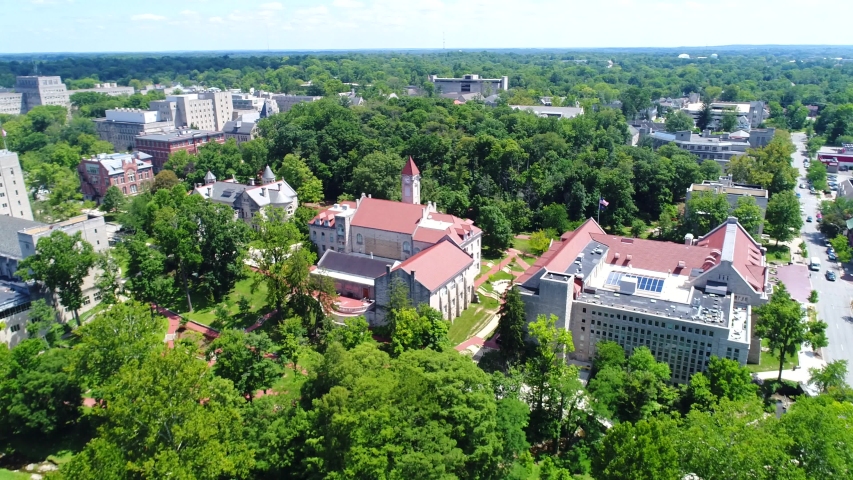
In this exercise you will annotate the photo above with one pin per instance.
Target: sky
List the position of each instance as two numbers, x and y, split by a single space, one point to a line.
180 25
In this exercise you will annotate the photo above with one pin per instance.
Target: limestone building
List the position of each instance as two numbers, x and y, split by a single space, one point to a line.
436 255
32 91
685 302
249 201
121 126
470 83
202 111
14 200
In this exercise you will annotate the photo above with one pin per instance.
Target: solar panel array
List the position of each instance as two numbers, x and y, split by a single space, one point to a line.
649 284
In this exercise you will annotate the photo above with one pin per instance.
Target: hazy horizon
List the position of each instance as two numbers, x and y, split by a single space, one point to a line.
159 26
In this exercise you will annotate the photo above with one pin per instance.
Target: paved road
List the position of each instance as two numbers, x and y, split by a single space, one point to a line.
833 297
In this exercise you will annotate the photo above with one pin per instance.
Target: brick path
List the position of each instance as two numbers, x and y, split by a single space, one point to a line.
513 254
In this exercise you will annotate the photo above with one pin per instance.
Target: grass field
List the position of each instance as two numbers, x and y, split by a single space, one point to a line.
778 253
522 245
770 362
472 320
204 310
9 475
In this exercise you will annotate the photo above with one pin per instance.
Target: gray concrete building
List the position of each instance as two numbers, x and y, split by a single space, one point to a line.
14 312
12 103
708 146
470 83
286 102
754 113
685 302
42 91
240 130
19 238
550 112
202 111
111 89
121 126
14 200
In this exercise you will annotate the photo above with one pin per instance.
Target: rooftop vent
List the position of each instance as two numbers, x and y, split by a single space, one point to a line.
629 257
616 255
681 264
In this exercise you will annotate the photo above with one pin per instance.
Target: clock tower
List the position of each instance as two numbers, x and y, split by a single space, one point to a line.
410 180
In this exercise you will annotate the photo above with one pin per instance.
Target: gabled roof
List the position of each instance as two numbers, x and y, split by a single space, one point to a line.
387 215
209 177
437 265
410 168
563 253
352 264
739 248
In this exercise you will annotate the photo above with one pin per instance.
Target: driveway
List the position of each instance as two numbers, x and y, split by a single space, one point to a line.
833 297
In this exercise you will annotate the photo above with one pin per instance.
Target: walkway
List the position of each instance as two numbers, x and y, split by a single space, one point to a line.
806 359
513 255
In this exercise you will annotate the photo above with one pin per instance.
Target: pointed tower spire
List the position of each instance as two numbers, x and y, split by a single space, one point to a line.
268 176
410 180
209 178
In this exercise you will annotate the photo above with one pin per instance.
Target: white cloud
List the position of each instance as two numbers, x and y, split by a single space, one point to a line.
216 20
321 10
148 17
271 6
189 12
347 4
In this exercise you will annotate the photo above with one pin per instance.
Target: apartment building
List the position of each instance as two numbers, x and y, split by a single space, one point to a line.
129 172
32 91
750 114
14 200
161 145
121 126
685 302
203 111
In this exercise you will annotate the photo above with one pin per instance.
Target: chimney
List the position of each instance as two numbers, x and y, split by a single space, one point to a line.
263 191
252 182
688 239
208 191
387 269
371 255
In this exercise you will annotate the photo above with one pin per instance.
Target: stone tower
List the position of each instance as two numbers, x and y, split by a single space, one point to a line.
410 180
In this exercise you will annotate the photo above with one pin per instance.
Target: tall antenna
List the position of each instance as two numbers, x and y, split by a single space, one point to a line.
442 41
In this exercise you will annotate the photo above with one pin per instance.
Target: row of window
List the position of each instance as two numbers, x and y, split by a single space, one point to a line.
642 321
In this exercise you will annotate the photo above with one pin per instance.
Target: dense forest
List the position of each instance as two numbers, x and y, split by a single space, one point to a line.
305 397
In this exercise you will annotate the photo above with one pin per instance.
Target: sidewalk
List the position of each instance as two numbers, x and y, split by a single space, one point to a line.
511 257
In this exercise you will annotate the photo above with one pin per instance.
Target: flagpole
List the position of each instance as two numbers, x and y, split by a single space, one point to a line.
599 211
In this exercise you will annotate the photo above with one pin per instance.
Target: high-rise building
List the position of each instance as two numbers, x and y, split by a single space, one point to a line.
121 126
203 111
14 200
42 91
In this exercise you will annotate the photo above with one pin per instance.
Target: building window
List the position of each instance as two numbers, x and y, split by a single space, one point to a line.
407 247
359 240
87 300
14 328
124 190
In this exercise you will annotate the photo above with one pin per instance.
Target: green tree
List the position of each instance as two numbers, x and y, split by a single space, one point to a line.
678 121
497 231
705 211
61 263
539 242
638 227
145 268
728 379
841 245
377 174
113 200
38 396
710 170
783 218
816 174
511 326
706 116
832 375
275 239
419 328
165 180
748 214
728 122
352 333
192 427
115 337
555 217
608 354
780 323
44 322
296 173
247 359
796 115
642 451
180 164
821 430
108 277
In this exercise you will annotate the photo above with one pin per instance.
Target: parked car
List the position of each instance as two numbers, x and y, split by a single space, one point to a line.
798 195
809 219
830 275
829 250
831 257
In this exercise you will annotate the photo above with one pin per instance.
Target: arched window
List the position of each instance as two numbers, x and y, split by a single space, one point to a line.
314 234
358 239
407 247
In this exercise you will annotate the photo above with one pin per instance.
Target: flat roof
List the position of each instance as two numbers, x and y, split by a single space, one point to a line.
175 134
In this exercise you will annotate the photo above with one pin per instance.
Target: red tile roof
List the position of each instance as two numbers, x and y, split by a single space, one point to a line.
651 254
563 252
410 168
387 215
746 253
436 265
328 212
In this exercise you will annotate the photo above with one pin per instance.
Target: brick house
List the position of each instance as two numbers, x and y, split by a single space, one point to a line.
130 172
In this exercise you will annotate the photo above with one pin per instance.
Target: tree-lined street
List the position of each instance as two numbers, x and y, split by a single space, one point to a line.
834 297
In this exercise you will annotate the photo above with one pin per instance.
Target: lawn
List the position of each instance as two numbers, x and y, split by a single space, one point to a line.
528 260
204 310
770 362
289 386
472 320
9 475
483 269
778 253
500 275
522 245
